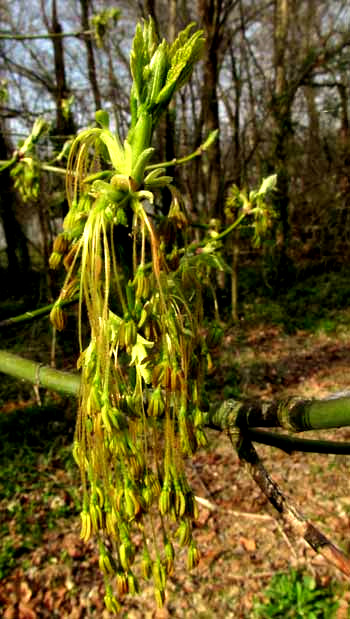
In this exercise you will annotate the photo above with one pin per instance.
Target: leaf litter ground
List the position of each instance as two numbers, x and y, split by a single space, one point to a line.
48 572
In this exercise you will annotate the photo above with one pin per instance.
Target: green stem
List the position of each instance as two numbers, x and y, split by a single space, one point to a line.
234 225
168 164
54 169
33 315
4 165
219 237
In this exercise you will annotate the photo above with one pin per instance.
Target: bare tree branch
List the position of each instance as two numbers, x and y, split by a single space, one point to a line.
29 37
294 522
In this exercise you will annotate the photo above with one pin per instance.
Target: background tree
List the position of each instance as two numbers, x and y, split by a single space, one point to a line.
18 263
276 88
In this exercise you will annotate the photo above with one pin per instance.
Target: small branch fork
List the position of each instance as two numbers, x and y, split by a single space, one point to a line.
292 519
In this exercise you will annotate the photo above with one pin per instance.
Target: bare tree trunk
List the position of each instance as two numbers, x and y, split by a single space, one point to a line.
16 242
344 139
209 17
64 118
314 144
149 9
314 121
281 112
85 5
234 276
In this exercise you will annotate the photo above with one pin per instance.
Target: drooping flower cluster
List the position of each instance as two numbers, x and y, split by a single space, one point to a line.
141 405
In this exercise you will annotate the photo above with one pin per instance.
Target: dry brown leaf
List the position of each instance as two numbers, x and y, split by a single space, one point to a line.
72 545
248 544
26 612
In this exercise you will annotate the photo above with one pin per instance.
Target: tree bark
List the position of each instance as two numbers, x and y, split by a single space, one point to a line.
209 17
64 119
281 112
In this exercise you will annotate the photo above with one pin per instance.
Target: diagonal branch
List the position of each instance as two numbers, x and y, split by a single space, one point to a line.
34 76
35 314
292 519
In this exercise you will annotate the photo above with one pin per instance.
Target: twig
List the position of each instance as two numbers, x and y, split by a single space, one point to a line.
197 153
52 35
213 508
207 504
51 168
251 515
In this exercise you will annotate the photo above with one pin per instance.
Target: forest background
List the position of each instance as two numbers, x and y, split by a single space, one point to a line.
275 80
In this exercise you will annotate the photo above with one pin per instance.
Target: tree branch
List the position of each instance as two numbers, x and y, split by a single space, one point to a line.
39 374
24 37
294 414
234 417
